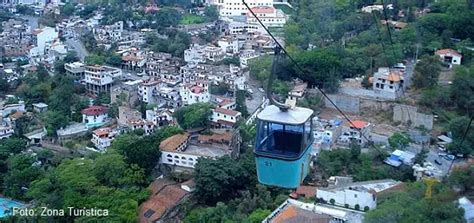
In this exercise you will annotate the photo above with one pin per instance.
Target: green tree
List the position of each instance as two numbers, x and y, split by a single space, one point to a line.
114 60
426 72
462 89
258 215
194 116
21 172
458 126
94 59
219 89
240 102
410 206
399 140
462 178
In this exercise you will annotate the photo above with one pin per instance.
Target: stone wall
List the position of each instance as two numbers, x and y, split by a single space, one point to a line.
407 113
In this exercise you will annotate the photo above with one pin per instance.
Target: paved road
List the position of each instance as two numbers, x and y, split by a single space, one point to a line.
77 46
257 96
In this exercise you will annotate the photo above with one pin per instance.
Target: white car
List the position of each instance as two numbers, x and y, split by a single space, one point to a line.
250 91
261 90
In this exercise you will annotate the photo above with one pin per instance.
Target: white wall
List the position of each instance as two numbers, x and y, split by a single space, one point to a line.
350 197
178 159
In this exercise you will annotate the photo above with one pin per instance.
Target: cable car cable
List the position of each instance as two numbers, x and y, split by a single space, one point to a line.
385 53
302 70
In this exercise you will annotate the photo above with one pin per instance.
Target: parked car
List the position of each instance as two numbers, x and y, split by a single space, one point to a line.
250 91
438 162
442 148
261 89
449 157
442 154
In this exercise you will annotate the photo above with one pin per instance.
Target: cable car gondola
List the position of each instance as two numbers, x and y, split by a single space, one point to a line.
284 141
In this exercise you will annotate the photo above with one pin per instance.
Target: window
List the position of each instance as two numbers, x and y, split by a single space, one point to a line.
169 155
170 160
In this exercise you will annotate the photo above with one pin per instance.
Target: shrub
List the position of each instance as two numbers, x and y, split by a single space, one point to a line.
332 201
357 206
366 208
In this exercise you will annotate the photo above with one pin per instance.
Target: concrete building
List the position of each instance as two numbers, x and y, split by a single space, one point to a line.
75 69
202 53
15 38
6 110
40 107
268 15
194 93
72 131
358 132
236 7
388 83
109 33
399 157
102 138
94 116
100 78
356 195
224 118
125 94
450 56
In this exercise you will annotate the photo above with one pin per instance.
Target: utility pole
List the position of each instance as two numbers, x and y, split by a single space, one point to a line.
416 53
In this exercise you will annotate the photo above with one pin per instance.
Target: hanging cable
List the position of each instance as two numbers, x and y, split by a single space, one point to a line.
302 71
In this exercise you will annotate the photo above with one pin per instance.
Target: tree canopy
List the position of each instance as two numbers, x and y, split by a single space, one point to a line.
193 116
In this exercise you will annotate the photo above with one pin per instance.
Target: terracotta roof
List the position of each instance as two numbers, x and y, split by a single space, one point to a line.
307 191
167 195
448 52
16 115
94 110
171 143
300 87
359 124
196 89
393 76
218 138
292 214
226 111
101 132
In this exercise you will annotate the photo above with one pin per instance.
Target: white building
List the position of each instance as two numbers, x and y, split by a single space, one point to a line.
268 15
358 195
236 7
196 93
42 37
200 54
358 132
180 151
94 116
388 83
100 78
173 151
450 56
109 32
224 118
147 89
103 137
40 107
12 108
147 126
229 44
160 117
6 131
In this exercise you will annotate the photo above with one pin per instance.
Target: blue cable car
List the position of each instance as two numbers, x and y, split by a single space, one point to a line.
284 140
283 145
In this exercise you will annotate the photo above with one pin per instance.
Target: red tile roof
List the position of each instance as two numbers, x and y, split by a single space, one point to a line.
165 196
173 142
101 132
359 124
307 191
94 110
448 51
226 111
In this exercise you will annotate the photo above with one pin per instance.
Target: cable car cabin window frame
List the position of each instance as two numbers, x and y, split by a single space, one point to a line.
286 138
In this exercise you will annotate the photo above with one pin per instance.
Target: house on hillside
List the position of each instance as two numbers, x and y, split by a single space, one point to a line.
95 116
450 56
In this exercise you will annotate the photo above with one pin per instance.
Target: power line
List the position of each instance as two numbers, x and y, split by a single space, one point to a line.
393 50
302 71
